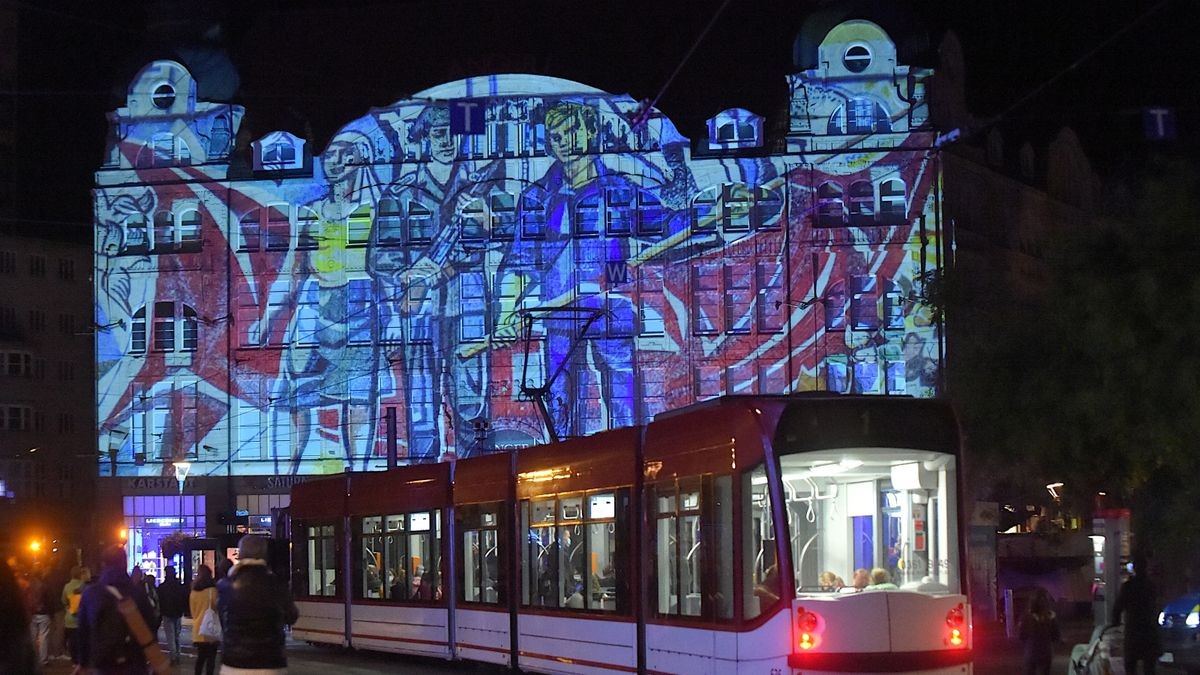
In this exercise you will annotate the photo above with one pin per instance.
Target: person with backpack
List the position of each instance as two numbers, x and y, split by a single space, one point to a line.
106 641
72 594
172 602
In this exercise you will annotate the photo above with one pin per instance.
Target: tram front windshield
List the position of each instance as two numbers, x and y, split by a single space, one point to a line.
871 519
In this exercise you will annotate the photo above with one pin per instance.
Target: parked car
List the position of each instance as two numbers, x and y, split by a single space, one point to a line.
1179 630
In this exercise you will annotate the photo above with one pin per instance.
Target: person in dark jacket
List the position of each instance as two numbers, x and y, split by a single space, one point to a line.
255 606
172 602
1137 601
1039 633
17 654
105 642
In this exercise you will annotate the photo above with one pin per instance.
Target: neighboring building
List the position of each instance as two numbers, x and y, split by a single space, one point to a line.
47 452
450 257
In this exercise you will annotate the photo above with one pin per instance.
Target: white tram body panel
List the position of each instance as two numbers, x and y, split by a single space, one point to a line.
483 636
405 630
681 649
321 622
562 644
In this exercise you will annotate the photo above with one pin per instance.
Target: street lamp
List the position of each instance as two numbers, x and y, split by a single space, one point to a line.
181 472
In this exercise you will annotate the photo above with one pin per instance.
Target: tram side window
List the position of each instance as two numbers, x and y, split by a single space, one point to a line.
400 557
370 585
692 548
572 556
482 575
322 561
760 579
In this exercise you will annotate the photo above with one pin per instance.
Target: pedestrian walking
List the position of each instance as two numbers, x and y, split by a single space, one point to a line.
255 607
40 603
1039 633
72 594
203 603
172 602
1137 601
106 641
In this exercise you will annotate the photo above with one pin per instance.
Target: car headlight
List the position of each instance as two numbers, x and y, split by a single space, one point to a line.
1162 618
1193 619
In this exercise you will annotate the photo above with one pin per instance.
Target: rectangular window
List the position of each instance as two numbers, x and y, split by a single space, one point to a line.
504 216
37 265
619 211
893 306
306 229
772 311
420 224
761 584
66 269
164 326
573 556
677 549
474 306
358 228
8 262
278 299
864 313
307 314
37 320
651 301
250 436
739 296
359 308
247 316
387 223
164 231
706 299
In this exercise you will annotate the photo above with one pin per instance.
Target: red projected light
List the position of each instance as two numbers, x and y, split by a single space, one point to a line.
807 624
956 620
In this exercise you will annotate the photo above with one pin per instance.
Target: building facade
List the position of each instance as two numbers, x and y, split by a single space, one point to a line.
495 262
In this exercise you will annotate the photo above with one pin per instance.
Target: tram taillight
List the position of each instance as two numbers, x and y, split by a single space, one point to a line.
956 621
808 626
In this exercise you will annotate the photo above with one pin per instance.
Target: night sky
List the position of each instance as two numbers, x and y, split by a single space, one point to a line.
318 64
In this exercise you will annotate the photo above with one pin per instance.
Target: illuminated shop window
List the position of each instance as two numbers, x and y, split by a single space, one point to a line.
862 203
892 209
857 59
358 230
388 230
831 210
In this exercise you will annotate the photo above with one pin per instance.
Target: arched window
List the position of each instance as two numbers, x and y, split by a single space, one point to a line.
189 230
862 203
137 333
387 222
251 238
618 210
768 209
175 328
164 231
735 216
136 238
358 230
503 207
891 202
704 210
831 210
866 116
279 227
306 229
471 221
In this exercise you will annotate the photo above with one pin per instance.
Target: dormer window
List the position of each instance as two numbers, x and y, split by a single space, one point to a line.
278 151
857 59
166 150
734 128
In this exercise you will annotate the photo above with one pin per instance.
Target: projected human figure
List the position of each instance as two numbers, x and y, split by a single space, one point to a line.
326 369
446 392
603 359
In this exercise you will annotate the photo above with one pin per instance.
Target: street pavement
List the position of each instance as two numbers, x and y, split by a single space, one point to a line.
994 655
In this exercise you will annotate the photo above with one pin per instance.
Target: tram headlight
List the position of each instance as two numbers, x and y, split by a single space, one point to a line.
1193 619
956 621
808 629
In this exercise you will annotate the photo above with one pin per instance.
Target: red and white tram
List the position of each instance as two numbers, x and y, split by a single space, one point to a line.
713 540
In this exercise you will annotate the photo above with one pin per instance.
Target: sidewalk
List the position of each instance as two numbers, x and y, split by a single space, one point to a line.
998 654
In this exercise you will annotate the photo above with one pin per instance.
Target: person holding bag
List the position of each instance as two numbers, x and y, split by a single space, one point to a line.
206 622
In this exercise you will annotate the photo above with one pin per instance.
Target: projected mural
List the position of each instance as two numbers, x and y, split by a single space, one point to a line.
499 260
